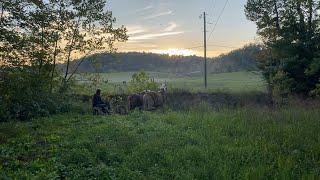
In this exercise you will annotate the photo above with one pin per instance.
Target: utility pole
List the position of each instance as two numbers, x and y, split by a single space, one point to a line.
205 50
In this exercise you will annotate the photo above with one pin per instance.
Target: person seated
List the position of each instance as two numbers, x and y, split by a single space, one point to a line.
97 102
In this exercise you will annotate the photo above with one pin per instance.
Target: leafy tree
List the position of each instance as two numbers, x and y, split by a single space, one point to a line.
37 34
290 33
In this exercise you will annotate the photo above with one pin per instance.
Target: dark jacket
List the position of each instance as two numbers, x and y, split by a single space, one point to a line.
96 100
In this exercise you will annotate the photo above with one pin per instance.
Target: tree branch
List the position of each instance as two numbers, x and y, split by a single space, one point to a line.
78 65
70 49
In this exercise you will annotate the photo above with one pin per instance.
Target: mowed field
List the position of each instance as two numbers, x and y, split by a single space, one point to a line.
224 82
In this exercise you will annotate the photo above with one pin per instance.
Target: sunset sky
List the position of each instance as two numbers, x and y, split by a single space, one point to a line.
174 26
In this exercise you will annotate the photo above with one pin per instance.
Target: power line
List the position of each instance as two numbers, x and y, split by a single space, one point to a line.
211 45
194 47
213 7
224 7
231 47
214 2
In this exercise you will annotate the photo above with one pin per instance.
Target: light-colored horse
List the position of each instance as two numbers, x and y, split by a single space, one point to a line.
153 100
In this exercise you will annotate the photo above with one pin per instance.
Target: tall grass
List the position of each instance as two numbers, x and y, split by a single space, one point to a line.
245 143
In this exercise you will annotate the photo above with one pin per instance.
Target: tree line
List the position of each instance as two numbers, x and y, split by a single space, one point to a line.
243 59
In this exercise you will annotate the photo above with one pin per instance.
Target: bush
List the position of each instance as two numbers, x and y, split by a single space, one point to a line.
25 108
316 91
26 95
141 82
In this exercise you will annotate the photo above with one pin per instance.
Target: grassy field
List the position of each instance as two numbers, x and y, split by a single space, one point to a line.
226 82
233 134
197 144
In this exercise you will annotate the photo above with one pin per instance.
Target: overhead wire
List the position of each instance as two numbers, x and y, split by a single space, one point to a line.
194 47
214 3
231 47
219 17
212 45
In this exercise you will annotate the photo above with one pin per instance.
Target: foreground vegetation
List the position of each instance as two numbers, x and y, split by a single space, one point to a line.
204 142
195 144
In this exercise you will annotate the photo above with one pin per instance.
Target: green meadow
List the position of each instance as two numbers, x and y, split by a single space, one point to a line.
70 109
235 82
228 82
197 144
198 136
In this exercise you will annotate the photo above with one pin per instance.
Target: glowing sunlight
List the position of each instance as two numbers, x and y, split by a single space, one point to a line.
174 52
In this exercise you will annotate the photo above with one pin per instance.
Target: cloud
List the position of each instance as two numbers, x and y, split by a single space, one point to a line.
138 31
145 8
158 15
153 36
135 29
171 27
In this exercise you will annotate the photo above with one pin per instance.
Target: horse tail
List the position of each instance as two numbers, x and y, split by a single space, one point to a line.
148 102
145 102
129 102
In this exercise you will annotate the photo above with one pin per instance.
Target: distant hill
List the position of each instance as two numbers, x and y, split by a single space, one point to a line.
237 60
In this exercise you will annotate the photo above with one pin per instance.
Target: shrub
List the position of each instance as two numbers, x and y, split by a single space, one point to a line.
141 82
316 91
26 95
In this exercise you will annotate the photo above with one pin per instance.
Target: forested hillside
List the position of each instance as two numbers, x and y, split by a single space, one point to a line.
237 60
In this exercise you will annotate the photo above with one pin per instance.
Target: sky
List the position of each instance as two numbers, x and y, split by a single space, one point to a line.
174 26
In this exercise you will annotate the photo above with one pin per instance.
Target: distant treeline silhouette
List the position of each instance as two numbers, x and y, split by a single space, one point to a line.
237 60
